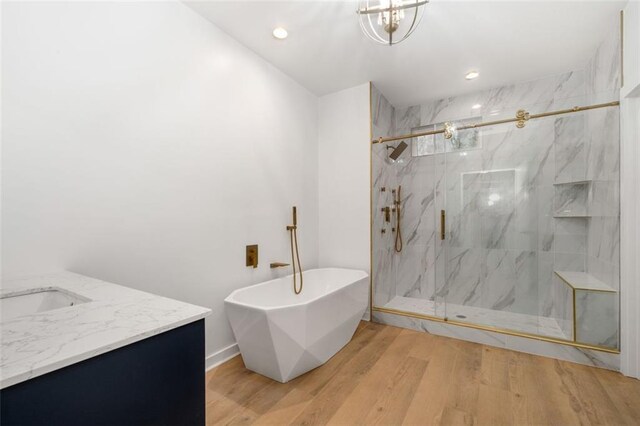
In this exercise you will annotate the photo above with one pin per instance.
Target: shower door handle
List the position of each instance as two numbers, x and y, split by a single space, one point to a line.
443 221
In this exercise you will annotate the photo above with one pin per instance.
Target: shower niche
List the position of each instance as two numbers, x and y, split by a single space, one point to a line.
509 226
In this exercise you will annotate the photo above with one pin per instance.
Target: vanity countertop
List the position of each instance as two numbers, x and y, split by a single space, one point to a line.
114 316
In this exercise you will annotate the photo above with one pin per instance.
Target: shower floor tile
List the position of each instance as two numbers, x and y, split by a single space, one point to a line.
534 324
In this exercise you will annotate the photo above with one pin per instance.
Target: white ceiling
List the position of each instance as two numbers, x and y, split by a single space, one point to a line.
506 41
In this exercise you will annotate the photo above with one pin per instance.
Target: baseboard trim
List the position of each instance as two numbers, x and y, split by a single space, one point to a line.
222 356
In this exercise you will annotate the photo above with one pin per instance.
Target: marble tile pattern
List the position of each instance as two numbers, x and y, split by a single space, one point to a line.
603 162
602 73
597 318
501 102
563 307
598 313
503 237
114 316
603 245
416 264
569 147
384 172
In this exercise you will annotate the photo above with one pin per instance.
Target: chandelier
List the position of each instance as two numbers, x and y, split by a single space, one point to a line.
390 21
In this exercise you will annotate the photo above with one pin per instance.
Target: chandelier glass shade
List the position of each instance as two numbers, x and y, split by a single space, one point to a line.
390 21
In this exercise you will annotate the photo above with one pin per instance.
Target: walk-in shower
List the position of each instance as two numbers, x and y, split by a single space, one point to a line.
509 212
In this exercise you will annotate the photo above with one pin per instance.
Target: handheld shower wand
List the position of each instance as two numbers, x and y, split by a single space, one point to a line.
295 254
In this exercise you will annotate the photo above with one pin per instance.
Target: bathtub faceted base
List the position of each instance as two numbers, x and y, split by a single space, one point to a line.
283 342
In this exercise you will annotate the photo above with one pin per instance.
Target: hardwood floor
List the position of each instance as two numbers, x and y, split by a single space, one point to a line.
391 376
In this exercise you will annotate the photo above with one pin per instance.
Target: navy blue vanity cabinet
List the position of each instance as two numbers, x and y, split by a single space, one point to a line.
156 381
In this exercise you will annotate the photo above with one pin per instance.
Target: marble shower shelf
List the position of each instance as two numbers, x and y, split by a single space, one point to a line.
571 199
583 281
560 216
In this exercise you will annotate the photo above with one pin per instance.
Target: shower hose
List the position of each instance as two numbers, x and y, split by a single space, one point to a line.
295 255
398 244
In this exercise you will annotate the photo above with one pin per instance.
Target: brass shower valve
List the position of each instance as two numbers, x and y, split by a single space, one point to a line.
387 214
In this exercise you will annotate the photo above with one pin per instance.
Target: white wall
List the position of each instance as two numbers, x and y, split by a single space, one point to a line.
143 146
344 167
630 195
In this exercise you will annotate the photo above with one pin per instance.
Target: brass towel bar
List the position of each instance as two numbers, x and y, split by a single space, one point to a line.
520 119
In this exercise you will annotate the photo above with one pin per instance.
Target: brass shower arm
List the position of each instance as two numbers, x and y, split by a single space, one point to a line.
521 117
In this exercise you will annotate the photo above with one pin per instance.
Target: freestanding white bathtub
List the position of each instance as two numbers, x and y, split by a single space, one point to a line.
282 335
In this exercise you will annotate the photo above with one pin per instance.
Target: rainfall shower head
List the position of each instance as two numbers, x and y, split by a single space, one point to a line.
397 150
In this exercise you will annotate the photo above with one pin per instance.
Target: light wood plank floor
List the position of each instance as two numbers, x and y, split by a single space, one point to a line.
391 376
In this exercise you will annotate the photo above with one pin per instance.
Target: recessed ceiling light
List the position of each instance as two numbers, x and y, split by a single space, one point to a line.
280 33
476 106
471 75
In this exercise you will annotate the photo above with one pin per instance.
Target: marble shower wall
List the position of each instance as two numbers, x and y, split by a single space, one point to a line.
416 266
603 164
493 250
384 176
600 323
411 273
502 198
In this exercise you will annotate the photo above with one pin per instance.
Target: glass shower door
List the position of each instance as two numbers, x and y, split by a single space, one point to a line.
490 194
410 267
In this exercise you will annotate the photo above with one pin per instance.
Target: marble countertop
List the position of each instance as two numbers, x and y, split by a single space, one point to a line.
114 316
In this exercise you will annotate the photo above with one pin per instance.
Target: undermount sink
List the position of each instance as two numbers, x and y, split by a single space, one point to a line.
12 306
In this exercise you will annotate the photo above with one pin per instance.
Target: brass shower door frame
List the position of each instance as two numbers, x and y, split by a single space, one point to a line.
520 119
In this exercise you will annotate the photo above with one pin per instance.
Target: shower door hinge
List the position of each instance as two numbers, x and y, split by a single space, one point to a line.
443 219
